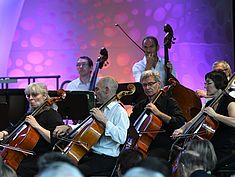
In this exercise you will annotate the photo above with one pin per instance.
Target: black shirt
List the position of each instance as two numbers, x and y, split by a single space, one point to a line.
168 106
224 137
48 119
201 173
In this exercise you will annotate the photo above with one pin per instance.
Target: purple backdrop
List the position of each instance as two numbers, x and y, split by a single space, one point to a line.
51 34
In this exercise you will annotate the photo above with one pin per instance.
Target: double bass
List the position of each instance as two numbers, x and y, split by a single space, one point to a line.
101 61
188 101
78 142
21 141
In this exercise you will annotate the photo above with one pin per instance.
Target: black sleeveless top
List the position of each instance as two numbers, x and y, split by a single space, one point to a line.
224 137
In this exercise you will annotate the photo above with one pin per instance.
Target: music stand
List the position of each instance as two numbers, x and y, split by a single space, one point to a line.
13 105
135 97
76 104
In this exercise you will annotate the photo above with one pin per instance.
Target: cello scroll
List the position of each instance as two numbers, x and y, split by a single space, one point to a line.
131 89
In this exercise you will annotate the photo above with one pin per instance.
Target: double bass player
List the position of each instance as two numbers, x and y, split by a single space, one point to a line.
151 61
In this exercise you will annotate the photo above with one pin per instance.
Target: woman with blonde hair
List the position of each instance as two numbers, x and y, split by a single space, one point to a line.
44 122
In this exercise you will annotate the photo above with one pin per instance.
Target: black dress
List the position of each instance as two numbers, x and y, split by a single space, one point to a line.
224 137
48 119
169 106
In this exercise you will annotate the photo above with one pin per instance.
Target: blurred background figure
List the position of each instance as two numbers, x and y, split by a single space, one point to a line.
157 164
198 159
127 159
142 172
46 159
60 169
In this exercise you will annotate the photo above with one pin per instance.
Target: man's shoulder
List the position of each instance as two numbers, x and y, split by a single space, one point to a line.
75 81
73 84
141 62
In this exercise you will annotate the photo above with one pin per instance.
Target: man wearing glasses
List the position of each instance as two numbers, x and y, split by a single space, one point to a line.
84 68
165 108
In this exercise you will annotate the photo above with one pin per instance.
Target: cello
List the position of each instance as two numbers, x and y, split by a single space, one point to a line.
21 141
87 134
146 127
202 126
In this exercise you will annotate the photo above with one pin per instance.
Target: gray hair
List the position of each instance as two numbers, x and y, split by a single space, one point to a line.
226 66
111 83
36 88
199 153
142 172
150 73
60 169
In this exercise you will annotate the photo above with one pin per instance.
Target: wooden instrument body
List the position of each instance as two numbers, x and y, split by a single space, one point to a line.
142 138
87 136
21 141
88 133
26 139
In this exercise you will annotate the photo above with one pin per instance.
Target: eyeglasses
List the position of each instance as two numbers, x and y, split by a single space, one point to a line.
82 64
208 83
34 95
150 84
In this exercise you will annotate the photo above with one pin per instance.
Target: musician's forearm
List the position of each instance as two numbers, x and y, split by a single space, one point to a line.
45 133
186 125
165 117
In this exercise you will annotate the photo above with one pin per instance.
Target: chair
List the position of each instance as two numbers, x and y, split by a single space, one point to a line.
64 83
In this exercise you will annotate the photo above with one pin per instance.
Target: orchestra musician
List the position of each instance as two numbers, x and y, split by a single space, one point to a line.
151 61
220 65
102 158
165 108
84 67
44 123
223 139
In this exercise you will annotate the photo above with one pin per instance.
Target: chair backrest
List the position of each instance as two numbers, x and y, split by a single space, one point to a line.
64 83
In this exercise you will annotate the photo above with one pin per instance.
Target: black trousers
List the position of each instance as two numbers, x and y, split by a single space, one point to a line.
97 165
28 167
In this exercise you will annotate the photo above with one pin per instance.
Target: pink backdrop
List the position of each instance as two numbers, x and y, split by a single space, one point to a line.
51 34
